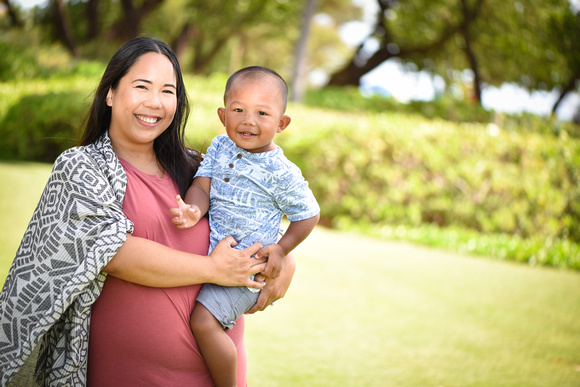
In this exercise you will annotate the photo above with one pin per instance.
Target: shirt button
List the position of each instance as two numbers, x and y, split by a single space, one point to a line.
227 179
239 156
231 165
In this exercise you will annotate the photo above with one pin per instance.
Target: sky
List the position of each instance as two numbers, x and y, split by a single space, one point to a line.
404 85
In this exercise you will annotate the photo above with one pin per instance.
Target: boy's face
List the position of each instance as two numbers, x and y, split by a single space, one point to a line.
254 113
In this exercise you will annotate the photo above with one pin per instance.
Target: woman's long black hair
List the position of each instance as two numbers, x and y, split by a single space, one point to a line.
178 161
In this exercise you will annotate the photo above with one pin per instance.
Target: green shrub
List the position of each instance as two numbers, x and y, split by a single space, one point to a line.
389 169
16 62
22 59
40 127
443 107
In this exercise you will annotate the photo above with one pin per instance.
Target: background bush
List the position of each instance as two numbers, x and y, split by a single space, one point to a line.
482 188
40 127
389 168
444 107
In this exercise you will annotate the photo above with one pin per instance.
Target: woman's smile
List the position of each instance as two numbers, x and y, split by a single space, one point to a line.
147 119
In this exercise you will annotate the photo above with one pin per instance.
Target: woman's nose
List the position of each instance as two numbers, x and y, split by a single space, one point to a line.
153 100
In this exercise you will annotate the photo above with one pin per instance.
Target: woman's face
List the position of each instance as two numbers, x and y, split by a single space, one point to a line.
143 104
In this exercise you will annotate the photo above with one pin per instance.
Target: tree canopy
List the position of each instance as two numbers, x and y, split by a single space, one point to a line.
533 43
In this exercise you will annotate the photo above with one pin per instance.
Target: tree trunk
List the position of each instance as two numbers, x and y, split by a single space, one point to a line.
202 58
358 66
62 27
92 19
180 44
129 26
300 71
354 70
568 88
12 16
238 52
468 17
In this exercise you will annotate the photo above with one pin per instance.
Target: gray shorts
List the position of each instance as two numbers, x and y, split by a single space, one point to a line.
226 303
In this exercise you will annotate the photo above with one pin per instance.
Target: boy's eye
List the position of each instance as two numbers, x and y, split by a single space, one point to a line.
238 110
262 113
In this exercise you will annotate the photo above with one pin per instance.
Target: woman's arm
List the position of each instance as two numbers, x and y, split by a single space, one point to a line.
275 288
148 263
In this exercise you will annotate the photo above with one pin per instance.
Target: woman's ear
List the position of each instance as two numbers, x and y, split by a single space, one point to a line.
283 124
109 99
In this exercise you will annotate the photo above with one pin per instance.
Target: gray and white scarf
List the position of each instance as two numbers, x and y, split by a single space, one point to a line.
45 304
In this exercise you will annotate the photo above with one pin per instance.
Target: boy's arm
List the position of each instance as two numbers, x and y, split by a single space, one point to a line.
196 204
198 193
296 233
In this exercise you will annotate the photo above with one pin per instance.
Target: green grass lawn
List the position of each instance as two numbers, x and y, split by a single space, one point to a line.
365 312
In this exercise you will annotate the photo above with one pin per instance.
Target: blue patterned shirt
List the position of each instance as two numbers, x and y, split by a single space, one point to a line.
250 192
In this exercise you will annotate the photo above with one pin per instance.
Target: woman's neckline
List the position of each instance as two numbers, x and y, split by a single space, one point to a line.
126 164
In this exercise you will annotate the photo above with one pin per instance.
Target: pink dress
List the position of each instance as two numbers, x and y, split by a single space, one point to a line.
140 336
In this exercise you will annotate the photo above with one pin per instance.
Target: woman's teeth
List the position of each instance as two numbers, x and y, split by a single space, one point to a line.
149 120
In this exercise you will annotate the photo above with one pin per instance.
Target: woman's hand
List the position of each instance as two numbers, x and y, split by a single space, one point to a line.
234 267
275 288
148 263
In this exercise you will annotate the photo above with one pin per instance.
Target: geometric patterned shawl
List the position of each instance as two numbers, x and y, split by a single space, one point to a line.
45 303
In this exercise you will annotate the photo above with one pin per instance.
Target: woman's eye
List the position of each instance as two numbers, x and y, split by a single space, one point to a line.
141 87
168 91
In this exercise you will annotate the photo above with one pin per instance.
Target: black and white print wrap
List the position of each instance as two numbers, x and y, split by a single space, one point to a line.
45 304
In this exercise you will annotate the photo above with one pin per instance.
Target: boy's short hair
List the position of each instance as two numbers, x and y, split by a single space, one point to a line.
257 73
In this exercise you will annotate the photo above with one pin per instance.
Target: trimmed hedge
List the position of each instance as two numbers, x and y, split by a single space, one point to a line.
40 127
389 169
477 188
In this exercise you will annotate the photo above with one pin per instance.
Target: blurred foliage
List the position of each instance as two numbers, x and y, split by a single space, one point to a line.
386 170
445 107
521 41
214 36
24 59
40 127
502 191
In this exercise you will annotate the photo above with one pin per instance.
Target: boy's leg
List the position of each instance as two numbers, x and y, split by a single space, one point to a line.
217 348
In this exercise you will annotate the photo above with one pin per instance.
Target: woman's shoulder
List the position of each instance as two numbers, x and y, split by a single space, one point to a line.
84 158
78 154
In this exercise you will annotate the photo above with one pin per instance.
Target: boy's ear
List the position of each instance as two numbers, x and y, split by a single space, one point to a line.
284 122
222 115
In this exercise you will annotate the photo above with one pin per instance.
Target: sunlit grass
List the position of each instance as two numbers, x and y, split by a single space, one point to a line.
363 312
21 189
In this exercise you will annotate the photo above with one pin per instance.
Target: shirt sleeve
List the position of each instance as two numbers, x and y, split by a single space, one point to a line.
209 159
294 196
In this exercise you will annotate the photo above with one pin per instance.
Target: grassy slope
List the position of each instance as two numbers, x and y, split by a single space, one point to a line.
372 313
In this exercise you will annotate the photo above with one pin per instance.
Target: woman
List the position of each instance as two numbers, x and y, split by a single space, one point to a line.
102 230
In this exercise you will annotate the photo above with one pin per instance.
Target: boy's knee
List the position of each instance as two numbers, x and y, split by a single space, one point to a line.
202 320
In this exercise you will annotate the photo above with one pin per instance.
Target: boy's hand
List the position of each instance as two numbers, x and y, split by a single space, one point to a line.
185 215
275 263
